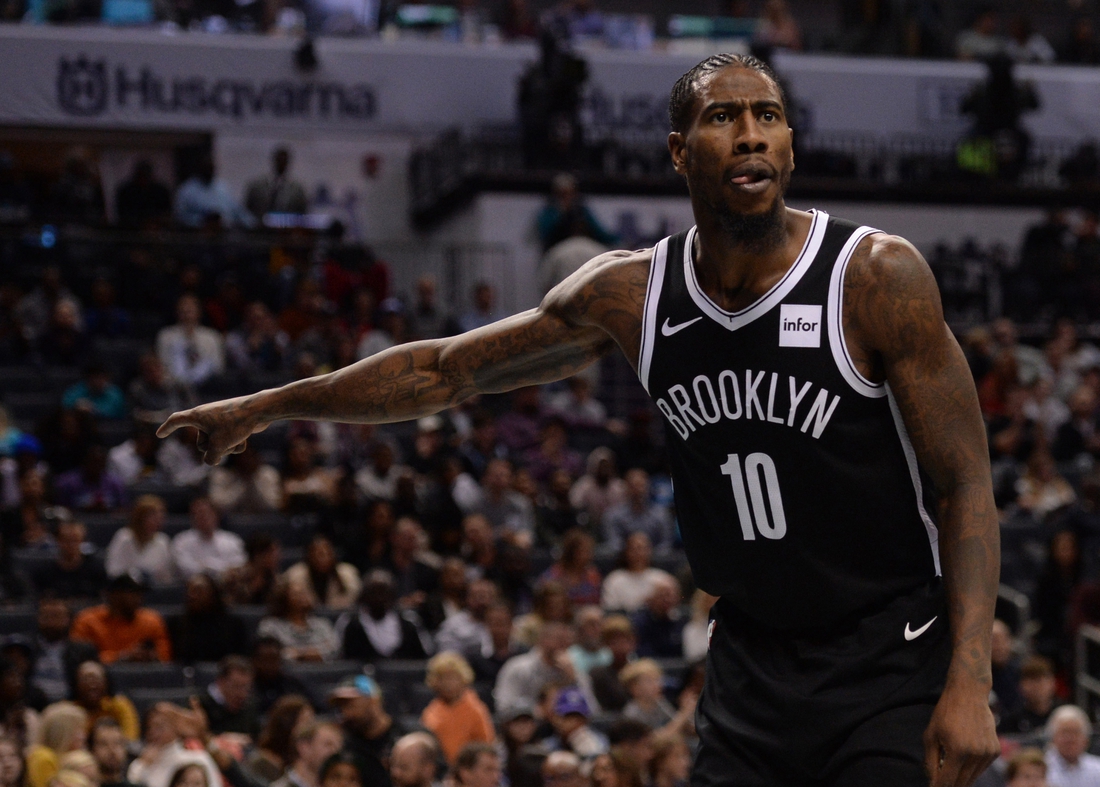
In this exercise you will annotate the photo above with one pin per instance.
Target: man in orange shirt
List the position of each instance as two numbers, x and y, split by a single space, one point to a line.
122 629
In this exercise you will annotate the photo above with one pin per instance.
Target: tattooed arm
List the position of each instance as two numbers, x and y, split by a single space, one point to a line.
577 322
895 330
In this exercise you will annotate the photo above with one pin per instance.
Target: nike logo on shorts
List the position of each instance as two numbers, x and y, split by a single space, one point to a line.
668 330
911 635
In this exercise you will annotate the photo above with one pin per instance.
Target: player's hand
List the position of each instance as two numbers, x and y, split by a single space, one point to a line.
223 427
961 739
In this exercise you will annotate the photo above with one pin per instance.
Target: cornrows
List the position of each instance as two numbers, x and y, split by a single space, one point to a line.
683 92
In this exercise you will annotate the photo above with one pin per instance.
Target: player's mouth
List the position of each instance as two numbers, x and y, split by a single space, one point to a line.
751 178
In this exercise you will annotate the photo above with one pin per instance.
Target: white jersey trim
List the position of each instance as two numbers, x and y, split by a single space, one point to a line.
649 313
733 320
841 356
914 473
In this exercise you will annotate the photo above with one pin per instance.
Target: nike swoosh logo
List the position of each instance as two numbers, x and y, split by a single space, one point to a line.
911 635
668 330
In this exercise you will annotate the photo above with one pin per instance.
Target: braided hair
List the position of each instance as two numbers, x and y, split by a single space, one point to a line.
683 92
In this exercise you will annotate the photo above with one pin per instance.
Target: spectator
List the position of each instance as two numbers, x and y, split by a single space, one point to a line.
1059 579
488 663
64 728
313 744
1037 688
617 634
1078 435
27 526
523 677
697 630
104 317
270 681
142 201
154 394
369 732
179 460
54 657
428 321
671 763
135 459
552 452
518 428
121 629
34 310
228 702
634 739
64 341
258 344
563 769
163 754
1041 490
456 716
1006 668
91 694
551 604
378 480
981 41
449 597
391 327
245 484
333 585
192 353
414 760
108 747
203 199
466 632
658 625
615 769
205 630
65 436
77 197
253 582
305 636
483 312
507 510
18 721
375 629
414 572
1025 44
477 765
563 217
575 570
274 751
140 547
626 588
307 486
1068 761
73 574
1026 768
482 444
589 650
643 681
637 515
554 512
1082 46
91 487
205 548
777 28
277 192
96 394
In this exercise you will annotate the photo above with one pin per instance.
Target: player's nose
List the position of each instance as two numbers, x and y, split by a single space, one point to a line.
749 137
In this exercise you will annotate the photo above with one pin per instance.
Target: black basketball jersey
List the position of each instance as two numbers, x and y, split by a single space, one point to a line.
798 493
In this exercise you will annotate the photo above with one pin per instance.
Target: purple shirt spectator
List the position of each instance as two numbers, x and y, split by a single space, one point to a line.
91 487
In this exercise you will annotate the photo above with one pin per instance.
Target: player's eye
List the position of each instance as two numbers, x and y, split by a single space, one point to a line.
720 117
768 116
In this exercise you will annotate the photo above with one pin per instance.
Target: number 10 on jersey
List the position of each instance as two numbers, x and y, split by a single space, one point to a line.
752 510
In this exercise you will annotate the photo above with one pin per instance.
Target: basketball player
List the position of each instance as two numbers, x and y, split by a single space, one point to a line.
830 463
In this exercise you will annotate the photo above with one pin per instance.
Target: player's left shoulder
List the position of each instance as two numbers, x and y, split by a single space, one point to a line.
886 267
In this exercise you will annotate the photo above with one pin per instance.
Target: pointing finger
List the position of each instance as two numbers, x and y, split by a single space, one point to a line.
174 422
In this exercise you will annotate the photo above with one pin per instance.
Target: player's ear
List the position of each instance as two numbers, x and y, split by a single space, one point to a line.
678 151
791 132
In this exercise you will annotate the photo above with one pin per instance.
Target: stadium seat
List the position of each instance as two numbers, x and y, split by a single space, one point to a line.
101 528
32 406
127 678
166 595
18 620
144 699
22 379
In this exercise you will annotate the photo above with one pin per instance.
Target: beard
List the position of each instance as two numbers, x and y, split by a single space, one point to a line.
756 233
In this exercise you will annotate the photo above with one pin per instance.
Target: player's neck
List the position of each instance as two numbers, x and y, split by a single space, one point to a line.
734 273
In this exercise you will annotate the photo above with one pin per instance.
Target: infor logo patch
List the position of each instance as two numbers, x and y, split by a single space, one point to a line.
799 326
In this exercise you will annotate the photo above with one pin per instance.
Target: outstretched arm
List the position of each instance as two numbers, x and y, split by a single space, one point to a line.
893 305
573 327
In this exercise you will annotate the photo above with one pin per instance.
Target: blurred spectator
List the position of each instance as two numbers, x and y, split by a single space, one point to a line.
140 547
427 319
414 760
551 604
142 200
16 200
981 40
108 745
567 256
18 721
456 716
28 526
244 484
617 634
333 584
312 744
777 28
205 630
192 353
1078 435
163 753
577 407
155 394
228 702
483 312
659 625
91 694
589 651
569 715
1061 575
415 572
429 445
1006 668
305 636
391 328
77 197
91 487
507 510
482 445
552 453
637 515
616 769
375 629
1041 490
63 341
306 485
575 570
563 768
304 317
477 765
203 198
275 749
96 394
253 582
1068 760
466 631
697 629
523 677
498 622
627 587
554 512
671 763
566 216
277 192
54 657
518 428
271 682
205 548
1082 46
369 732
258 344
136 458
64 728
122 629
104 317
1026 44
35 309
1037 688
643 680
378 480
73 574
998 143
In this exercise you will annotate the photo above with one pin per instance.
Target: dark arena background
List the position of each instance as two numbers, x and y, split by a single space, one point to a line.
204 198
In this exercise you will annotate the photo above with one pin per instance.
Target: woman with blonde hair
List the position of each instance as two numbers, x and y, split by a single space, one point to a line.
63 728
643 681
80 761
456 716
140 548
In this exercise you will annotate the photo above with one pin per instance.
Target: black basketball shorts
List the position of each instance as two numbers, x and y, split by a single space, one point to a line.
844 709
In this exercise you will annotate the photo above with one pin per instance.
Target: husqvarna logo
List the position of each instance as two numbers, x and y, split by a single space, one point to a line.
82 87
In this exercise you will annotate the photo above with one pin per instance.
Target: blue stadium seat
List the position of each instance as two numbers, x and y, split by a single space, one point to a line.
127 678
